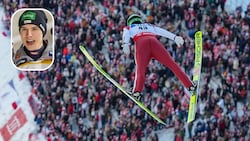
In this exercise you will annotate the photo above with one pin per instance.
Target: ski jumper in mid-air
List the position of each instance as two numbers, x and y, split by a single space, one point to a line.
147 46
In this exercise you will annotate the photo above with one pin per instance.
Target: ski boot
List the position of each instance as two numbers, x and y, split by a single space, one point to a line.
192 89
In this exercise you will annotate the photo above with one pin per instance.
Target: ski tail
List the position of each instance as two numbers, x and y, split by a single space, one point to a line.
196 76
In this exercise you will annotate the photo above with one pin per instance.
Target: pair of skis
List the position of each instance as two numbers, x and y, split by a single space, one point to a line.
196 78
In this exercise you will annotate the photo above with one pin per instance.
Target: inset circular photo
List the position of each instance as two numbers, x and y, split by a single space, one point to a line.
32 39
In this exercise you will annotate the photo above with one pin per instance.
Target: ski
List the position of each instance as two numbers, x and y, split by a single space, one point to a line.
196 76
105 74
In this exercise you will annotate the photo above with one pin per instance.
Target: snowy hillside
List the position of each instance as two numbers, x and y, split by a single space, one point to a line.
17 118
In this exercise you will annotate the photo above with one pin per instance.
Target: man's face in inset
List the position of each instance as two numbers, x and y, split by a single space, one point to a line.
31 36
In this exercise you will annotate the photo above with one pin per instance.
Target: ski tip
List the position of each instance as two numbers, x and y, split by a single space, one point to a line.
198 32
81 46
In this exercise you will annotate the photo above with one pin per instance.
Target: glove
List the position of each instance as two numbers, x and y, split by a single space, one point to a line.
125 48
179 40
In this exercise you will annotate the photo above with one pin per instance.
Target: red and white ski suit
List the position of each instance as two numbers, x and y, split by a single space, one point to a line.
147 46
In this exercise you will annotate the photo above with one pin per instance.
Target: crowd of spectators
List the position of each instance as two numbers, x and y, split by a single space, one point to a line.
79 104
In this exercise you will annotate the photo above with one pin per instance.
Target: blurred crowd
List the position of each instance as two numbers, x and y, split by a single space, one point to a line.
78 103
